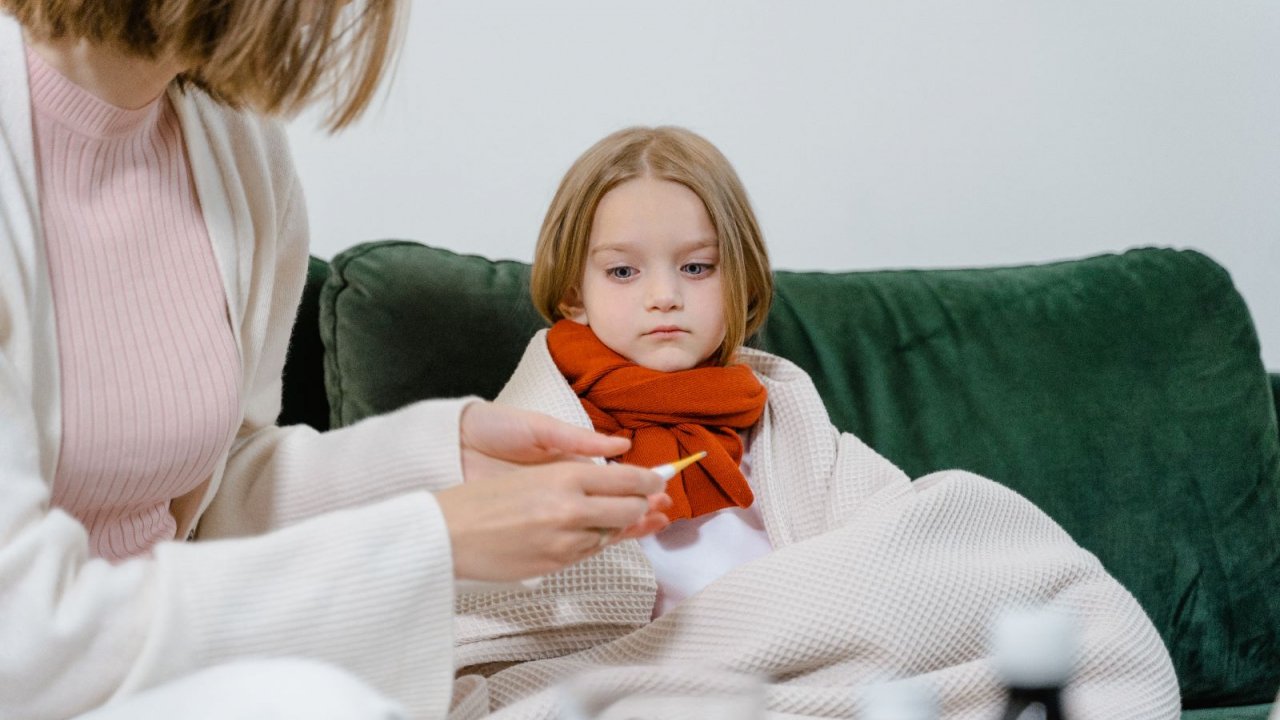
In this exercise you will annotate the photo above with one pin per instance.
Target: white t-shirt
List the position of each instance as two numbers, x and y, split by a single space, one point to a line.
688 555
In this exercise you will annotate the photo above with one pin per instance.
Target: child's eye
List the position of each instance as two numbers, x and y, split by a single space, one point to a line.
697 269
622 272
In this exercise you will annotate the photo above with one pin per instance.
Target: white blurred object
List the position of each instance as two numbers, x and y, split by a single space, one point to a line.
1035 654
1035 647
572 705
910 699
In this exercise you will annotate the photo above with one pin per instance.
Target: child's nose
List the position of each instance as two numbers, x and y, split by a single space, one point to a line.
664 293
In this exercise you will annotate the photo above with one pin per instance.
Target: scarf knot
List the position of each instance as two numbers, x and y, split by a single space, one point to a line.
666 415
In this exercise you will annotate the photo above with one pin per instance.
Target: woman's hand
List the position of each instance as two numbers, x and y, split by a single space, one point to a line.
531 504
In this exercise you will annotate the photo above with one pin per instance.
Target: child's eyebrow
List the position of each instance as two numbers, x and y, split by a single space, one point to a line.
622 247
611 247
702 243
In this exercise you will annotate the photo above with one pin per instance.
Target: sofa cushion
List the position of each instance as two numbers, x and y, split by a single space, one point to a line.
403 322
1124 394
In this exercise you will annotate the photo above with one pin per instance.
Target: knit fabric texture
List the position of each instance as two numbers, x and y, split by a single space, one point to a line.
873 578
666 415
148 362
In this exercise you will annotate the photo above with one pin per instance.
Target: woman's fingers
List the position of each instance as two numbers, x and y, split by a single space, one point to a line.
652 522
618 479
508 522
596 496
528 437
660 502
654 519
611 513
527 508
559 439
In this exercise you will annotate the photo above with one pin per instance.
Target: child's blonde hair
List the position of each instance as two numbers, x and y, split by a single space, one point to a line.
274 56
666 153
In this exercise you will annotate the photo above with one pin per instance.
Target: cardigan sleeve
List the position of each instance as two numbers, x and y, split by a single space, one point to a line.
359 588
63 617
276 476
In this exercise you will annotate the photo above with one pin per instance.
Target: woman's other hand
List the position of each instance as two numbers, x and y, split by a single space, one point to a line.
531 504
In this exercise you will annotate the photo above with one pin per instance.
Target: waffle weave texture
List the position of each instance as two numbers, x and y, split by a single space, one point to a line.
873 578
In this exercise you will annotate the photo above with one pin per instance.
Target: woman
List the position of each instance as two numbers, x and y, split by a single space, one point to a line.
152 251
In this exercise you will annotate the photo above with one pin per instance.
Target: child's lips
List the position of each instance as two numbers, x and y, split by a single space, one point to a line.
665 332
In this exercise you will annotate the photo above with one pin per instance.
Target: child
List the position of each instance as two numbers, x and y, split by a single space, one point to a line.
795 552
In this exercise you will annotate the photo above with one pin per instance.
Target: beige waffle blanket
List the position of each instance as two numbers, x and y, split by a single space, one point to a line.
873 577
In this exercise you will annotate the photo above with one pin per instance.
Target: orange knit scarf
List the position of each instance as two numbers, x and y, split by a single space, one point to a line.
667 415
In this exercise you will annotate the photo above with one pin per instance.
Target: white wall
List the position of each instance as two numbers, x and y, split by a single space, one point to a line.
899 133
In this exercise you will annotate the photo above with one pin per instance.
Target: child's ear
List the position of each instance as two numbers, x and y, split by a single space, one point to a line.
571 307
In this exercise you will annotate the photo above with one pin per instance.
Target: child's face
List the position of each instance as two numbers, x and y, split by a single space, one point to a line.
651 285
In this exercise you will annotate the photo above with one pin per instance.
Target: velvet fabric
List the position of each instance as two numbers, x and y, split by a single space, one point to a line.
1123 394
402 322
1242 712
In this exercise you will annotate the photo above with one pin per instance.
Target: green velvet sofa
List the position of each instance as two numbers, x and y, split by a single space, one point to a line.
1124 394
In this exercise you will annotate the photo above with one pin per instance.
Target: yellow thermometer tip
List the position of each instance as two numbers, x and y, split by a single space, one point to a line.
686 462
668 471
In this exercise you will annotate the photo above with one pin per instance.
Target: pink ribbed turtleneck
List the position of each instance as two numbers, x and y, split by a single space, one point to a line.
149 367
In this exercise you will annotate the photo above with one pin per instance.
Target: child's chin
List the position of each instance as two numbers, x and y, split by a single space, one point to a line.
665 364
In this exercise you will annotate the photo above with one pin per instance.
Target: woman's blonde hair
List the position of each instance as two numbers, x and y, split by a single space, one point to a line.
274 56
666 153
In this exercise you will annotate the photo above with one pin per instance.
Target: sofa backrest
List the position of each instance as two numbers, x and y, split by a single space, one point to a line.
1124 394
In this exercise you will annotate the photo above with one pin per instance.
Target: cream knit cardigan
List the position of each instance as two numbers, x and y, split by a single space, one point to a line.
872 577
361 573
